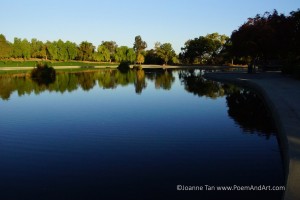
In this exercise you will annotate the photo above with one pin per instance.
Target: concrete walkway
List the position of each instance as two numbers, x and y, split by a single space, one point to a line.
282 94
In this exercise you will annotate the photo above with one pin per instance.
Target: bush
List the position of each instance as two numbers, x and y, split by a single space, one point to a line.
124 67
43 74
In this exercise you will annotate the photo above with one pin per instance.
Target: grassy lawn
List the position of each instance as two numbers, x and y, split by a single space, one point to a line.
10 72
24 72
52 63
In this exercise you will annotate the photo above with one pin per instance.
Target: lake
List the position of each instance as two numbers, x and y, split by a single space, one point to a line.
143 134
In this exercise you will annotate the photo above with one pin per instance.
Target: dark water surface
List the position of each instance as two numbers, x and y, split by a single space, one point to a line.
107 135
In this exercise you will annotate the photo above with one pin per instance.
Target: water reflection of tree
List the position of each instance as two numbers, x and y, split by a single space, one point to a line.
246 108
162 78
107 79
86 80
194 82
250 112
140 81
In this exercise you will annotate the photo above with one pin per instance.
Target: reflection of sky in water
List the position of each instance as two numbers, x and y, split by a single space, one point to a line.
84 143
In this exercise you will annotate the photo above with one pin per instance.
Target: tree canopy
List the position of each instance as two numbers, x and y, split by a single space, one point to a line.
267 38
165 52
139 45
204 49
5 47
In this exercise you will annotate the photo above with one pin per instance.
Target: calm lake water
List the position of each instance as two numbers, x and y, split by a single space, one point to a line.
136 135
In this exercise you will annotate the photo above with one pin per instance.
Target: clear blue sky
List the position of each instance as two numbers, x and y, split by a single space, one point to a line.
173 21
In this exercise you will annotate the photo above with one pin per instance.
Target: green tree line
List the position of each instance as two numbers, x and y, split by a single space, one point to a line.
107 51
267 39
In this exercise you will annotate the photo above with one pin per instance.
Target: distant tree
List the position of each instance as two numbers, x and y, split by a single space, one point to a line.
111 46
102 53
38 49
72 49
62 52
17 48
130 55
140 59
165 52
26 49
151 57
86 51
52 50
121 54
139 45
125 54
203 49
5 47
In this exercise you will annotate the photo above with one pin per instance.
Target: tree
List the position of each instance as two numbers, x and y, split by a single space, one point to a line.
139 45
263 37
140 59
26 49
102 54
165 52
86 51
130 55
71 48
52 50
203 49
62 53
151 57
111 46
5 47
38 49
17 48
121 54
125 54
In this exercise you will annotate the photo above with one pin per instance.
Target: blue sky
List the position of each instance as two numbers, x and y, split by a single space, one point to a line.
173 21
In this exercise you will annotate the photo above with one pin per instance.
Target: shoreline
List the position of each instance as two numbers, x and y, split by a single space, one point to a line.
215 67
282 96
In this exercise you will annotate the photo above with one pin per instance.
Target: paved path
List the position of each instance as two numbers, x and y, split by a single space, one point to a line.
283 96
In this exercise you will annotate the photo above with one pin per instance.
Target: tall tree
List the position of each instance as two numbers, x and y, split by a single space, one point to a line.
5 47
165 51
139 45
263 37
17 48
102 54
140 59
130 55
38 49
71 48
111 46
121 54
203 49
52 51
62 53
86 51
26 49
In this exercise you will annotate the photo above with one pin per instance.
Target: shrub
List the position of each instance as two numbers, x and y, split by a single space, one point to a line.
43 74
124 67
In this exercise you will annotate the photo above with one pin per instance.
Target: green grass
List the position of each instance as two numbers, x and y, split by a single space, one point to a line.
14 72
10 72
79 70
52 63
